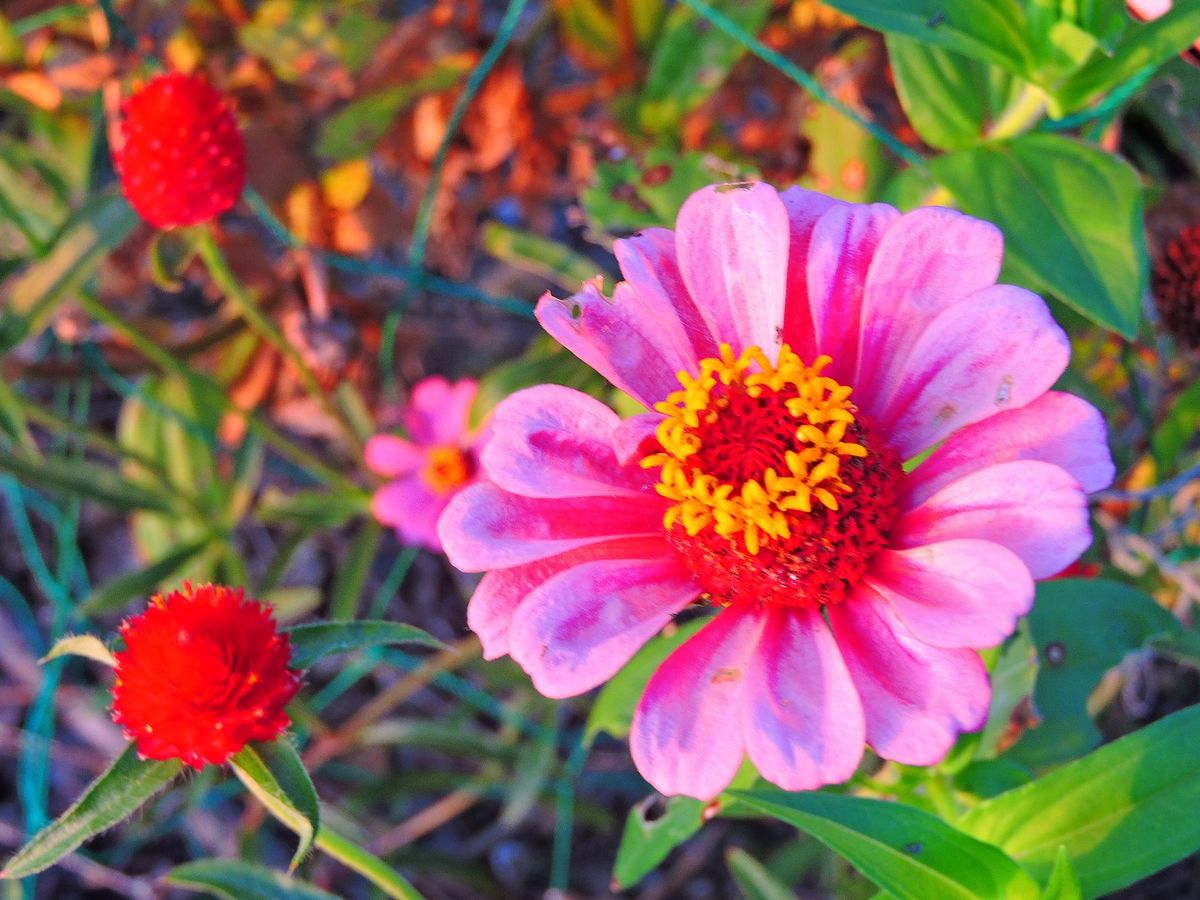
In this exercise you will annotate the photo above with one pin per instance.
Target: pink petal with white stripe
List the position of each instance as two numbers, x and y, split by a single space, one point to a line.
1055 428
732 244
916 698
959 593
999 350
1035 509
802 717
579 628
687 732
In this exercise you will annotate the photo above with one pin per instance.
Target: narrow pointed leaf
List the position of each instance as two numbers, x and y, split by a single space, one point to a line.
366 864
754 879
906 851
235 879
654 828
114 796
314 640
114 594
86 645
274 774
1063 883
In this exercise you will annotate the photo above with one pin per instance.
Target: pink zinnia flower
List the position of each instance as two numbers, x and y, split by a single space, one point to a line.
437 461
797 351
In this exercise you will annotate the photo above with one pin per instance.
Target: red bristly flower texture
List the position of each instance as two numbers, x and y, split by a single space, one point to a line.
204 672
182 160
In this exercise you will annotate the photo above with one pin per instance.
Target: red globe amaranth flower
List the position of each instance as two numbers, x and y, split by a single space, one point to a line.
182 160
1176 287
203 673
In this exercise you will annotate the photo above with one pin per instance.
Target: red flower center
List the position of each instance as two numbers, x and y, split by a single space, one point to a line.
1175 284
783 494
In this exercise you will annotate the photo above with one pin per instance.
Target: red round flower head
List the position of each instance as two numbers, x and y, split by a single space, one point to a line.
203 673
182 160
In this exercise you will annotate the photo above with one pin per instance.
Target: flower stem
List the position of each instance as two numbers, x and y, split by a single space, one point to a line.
223 277
937 787
1021 115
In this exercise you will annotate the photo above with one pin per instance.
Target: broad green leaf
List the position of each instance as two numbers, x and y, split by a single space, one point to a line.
236 879
1143 46
314 640
1071 216
355 129
545 258
654 828
274 774
612 711
114 594
1177 430
1063 883
32 295
988 30
78 478
754 879
690 61
114 796
950 99
1122 812
632 193
85 645
905 851
1081 629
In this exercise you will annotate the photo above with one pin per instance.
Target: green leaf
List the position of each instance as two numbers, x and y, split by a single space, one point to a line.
354 130
85 645
371 867
1177 430
274 774
655 826
32 295
114 594
311 509
1071 216
543 257
632 193
754 879
988 30
1013 677
1122 812
114 796
950 99
690 61
612 711
314 640
906 851
1063 883
1143 47
1081 629
74 477
236 879
353 571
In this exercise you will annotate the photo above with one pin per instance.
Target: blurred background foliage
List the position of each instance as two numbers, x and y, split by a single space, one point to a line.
420 172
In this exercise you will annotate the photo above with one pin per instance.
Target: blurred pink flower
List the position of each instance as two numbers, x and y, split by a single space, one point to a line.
437 461
796 350
1147 10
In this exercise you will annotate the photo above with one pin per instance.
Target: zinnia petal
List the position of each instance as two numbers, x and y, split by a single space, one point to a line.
485 527
687 734
999 350
961 593
577 629
804 209
552 441
1055 428
916 698
803 720
732 243
1033 508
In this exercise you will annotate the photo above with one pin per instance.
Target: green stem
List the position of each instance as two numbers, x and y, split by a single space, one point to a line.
223 277
1021 115
938 788
366 864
